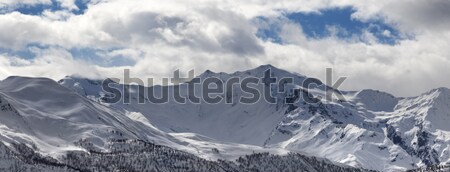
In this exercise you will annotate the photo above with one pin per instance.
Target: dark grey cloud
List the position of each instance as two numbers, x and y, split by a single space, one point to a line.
418 15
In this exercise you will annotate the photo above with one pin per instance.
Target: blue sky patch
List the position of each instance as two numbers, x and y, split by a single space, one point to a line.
268 30
89 55
25 53
331 22
37 9
95 56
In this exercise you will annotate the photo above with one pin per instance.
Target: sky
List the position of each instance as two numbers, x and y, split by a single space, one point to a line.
401 47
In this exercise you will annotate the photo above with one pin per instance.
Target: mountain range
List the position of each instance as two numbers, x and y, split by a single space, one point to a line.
71 125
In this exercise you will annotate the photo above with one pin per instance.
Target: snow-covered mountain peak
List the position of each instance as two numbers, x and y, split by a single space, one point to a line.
434 97
32 88
444 93
275 72
82 86
208 73
80 79
25 81
443 89
376 100
255 72
265 67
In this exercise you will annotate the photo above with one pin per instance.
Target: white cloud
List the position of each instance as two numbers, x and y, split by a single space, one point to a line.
52 62
68 4
161 36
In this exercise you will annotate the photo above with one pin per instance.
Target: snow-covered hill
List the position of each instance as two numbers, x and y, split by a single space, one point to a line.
371 129
40 112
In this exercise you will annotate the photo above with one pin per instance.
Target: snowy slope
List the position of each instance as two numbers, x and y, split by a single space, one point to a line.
40 112
420 125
